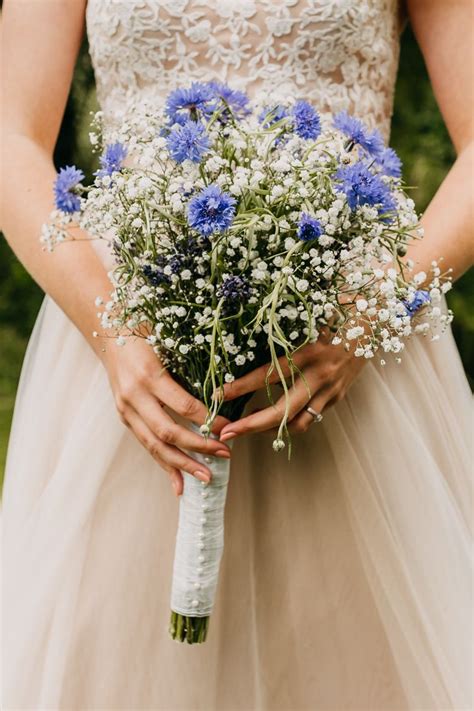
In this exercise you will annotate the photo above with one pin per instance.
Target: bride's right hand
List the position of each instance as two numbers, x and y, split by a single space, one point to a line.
142 388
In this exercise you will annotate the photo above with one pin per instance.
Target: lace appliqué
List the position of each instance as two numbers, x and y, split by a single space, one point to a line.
339 54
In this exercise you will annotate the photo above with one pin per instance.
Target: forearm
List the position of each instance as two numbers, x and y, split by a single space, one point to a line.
449 221
72 275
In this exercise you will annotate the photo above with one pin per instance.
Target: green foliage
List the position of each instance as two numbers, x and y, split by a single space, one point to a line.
418 134
20 298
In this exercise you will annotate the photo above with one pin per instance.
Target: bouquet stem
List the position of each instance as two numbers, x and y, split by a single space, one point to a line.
188 629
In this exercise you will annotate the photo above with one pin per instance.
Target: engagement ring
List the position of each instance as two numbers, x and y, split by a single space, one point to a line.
317 417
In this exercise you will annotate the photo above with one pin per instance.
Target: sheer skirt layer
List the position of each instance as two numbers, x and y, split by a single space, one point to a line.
345 582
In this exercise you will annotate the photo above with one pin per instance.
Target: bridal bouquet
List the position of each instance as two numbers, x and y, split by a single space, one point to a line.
240 231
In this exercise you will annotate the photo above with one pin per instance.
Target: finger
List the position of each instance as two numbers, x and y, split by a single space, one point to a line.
147 439
180 401
169 431
262 375
171 458
271 416
303 420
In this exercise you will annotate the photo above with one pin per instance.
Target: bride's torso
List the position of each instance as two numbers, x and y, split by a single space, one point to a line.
339 54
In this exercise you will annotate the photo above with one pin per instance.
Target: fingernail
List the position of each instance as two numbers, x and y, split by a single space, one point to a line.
226 436
223 453
202 476
175 487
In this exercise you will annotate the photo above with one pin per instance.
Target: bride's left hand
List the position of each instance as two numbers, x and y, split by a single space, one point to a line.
328 371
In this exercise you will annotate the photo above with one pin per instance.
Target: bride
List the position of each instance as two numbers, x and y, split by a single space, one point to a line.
345 581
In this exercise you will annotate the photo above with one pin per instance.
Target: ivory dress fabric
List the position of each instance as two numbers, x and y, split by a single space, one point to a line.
345 582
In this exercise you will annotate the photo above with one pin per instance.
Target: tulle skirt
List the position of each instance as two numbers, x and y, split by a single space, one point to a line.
345 581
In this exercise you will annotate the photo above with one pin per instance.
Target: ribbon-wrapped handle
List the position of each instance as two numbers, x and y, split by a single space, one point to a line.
200 538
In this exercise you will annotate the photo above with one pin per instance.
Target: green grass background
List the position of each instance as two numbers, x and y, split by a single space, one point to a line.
418 134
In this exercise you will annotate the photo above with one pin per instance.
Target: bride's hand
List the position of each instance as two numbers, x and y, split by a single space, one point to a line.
328 371
142 388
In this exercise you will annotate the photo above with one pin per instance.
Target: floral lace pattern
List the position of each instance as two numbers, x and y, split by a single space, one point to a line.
339 54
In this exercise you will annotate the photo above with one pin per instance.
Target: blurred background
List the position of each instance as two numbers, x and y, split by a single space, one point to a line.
418 134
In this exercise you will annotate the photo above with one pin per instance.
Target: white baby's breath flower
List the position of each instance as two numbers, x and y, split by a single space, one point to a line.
302 285
281 165
325 240
354 333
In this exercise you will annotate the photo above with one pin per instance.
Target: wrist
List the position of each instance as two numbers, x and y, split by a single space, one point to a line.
107 350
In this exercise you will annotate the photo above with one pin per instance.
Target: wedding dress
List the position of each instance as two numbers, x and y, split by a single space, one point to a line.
345 582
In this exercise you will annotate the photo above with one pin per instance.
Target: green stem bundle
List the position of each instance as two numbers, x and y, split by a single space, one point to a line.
188 629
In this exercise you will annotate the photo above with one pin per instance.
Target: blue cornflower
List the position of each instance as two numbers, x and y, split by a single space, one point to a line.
364 188
234 289
390 162
358 133
182 104
211 211
111 159
309 227
66 180
421 298
236 100
188 142
307 123
272 114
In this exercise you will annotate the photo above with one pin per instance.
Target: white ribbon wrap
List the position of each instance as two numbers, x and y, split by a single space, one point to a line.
200 538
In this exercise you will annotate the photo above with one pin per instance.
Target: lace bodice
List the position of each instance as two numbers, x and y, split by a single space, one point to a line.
339 54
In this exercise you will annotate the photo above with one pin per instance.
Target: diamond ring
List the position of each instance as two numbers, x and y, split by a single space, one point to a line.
317 417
